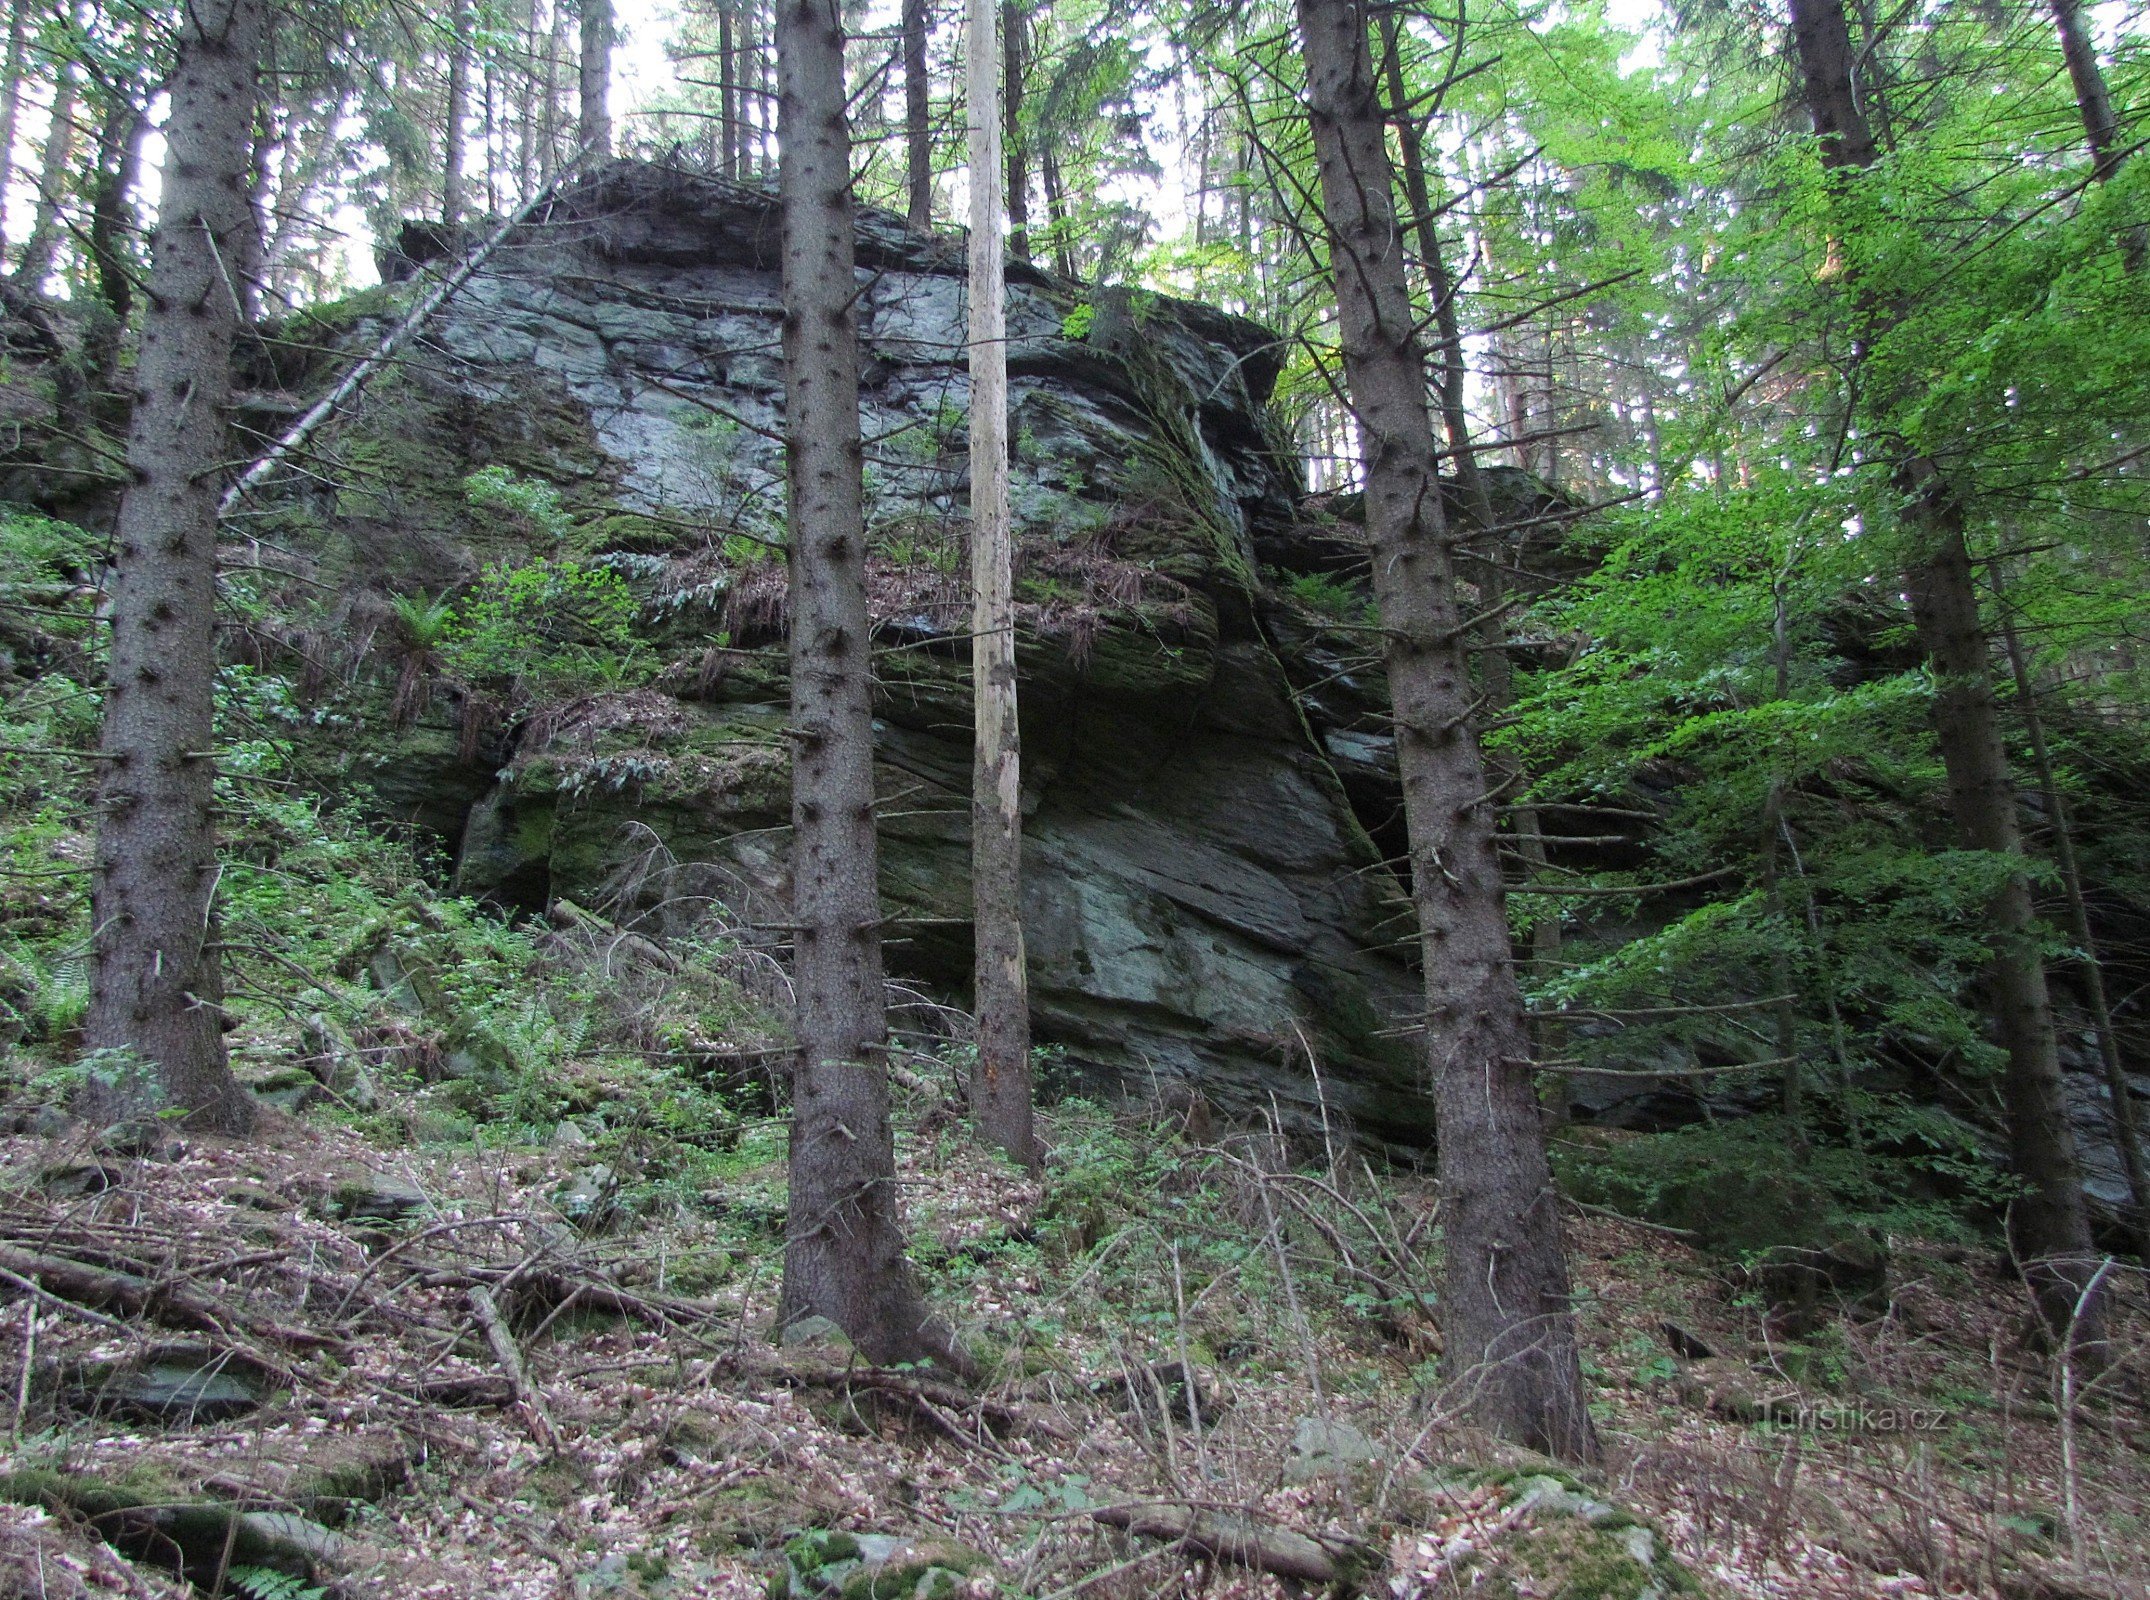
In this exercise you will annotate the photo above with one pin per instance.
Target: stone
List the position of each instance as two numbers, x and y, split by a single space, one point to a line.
1326 1447
820 1335
589 1198
74 1178
375 1198
1203 891
171 1385
879 1566
569 1136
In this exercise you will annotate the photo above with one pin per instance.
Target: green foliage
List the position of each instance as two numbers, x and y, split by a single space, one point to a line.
264 1583
534 506
1077 323
544 631
1329 596
1748 1190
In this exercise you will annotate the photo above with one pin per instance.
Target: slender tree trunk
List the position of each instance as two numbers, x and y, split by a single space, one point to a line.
451 183
1056 212
1509 1328
11 69
40 248
2127 1134
753 100
2049 1226
119 155
316 152
595 77
1496 671
2101 129
490 90
250 271
555 58
527 79
727 94
1016 42
1780 957
1000 1084
156 984
917 117
843 1248
112 223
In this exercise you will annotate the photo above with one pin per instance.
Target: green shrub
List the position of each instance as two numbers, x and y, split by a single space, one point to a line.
544 631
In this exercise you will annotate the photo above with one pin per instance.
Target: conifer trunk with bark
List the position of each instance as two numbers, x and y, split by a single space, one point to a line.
1000 1084
38 248
452 141
594 78
1508 1324
1015 41
843 1248
2049 1226
2101 128
727 94
156 981
2127 1132
11 70
917 114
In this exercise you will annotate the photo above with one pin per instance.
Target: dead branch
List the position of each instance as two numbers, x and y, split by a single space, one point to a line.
510 1358
1234 1537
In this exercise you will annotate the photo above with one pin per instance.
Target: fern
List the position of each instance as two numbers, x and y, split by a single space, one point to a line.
262 1583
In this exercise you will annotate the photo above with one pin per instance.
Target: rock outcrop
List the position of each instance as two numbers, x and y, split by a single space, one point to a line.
1205 909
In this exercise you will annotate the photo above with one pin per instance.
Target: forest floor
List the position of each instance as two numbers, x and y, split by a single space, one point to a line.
490 1376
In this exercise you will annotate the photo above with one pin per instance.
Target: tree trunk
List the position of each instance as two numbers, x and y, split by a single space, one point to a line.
2127 1135
843 1250
917 117
112 223
727 94
1821 40
753 103
1015 40
1510 1358
555 56
38 250
2101 129
1496 671
1056 212
595 70
2049 1227
156 982
11 66
451 184
119 155
1000 1082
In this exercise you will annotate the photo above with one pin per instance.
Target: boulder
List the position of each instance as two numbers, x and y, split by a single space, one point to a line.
1204 903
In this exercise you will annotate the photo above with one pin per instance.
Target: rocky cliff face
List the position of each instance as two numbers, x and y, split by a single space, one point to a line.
1204 904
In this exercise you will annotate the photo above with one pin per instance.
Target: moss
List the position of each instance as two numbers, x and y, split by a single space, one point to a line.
150 1520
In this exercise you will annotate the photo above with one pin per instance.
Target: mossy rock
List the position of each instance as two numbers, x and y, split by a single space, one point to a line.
199 1540
175 1384
1568 1545
1570 1558
827 1562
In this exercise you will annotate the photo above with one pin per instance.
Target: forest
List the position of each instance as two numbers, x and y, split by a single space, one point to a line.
820 800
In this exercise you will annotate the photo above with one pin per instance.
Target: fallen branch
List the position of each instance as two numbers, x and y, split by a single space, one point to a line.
1237 1538
420 314
487 1313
